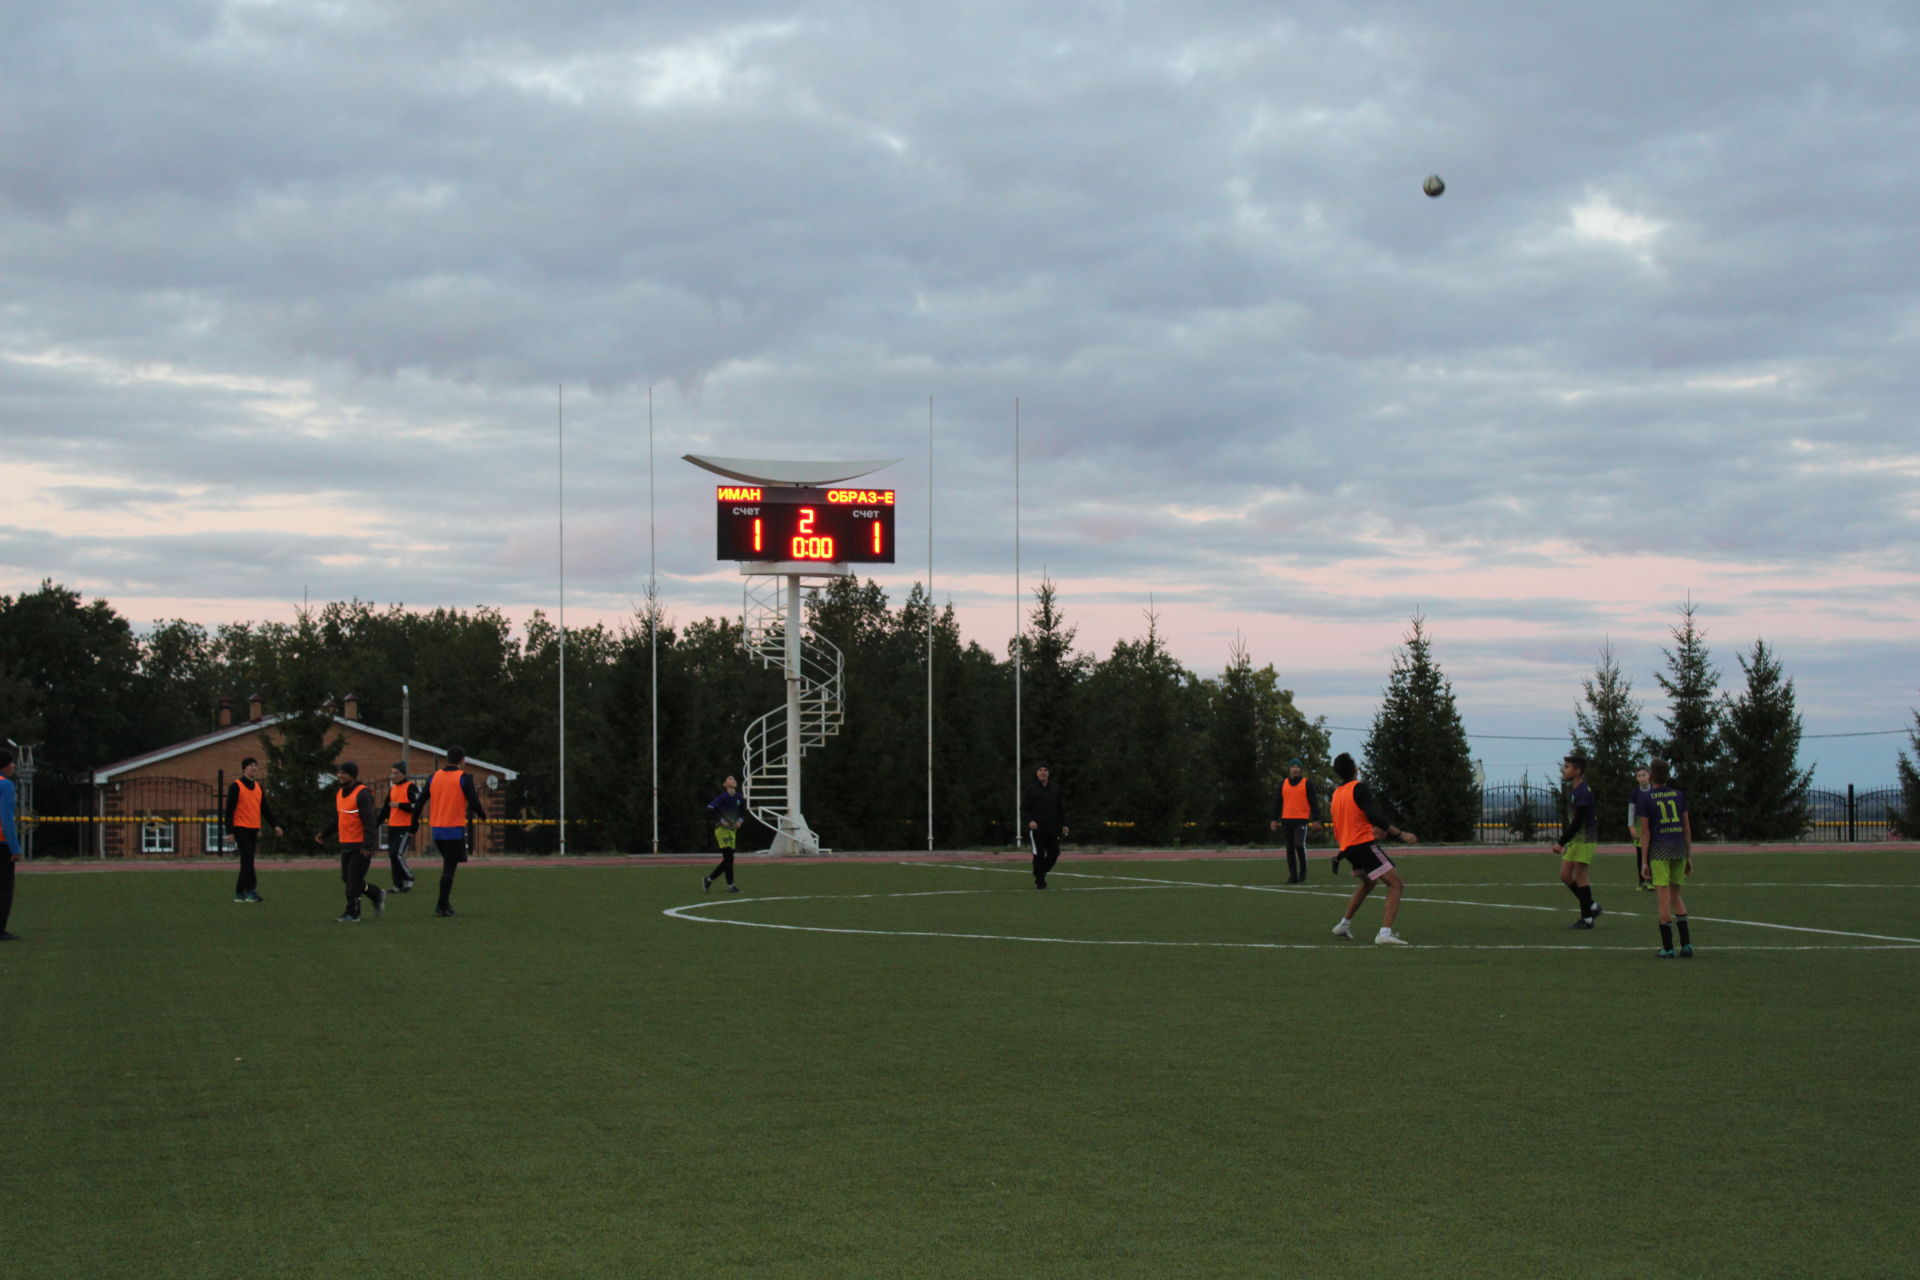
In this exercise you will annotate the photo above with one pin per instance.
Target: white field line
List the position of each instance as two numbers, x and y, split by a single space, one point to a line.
687 913
1455 902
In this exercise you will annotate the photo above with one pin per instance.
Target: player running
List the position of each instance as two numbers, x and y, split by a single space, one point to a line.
1358 824
1666 858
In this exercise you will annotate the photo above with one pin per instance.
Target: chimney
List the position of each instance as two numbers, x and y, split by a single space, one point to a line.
255 710
223 718
353 706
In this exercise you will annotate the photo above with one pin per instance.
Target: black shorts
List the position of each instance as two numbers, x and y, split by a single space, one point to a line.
1368 860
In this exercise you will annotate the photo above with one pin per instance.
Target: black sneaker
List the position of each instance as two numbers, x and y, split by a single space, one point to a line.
445 909
706 883
1595 917
1039 884
379 904
347 919
1584 922
5 936
402 888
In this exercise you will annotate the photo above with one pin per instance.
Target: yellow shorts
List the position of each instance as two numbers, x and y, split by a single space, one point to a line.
1578 851
1669 873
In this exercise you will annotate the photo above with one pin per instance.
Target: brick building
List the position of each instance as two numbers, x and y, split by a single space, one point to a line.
185 781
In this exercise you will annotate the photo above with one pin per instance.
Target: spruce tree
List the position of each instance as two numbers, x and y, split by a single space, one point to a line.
304 748
1607 732
1242 748
1050 677
1906 817
1692 744
1766 797
1417 755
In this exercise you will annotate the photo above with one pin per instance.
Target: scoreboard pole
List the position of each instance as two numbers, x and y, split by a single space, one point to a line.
796 826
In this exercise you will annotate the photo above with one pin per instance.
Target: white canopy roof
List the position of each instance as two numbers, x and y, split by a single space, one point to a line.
787 471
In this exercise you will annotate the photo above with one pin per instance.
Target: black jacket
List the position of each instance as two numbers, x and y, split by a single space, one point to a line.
1044 805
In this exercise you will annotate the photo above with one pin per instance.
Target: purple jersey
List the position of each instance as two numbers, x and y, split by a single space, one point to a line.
1665 809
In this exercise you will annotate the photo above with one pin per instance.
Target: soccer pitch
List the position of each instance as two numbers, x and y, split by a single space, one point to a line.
886 1068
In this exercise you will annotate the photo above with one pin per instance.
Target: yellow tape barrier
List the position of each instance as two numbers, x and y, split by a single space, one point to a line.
162 819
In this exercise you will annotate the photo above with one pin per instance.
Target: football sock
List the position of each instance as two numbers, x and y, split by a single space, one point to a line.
1666 936
1585 894
1685 940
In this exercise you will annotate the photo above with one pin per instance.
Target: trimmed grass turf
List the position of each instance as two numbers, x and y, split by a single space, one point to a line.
565 1082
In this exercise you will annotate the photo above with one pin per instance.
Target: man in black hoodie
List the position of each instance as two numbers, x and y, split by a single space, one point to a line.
1045 811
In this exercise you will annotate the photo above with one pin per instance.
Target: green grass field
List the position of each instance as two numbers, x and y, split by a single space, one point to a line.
565 1081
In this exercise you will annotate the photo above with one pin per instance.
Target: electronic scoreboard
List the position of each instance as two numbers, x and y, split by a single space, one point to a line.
775 522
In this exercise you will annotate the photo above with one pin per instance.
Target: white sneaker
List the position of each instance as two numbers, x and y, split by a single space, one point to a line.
1388 938
1343 930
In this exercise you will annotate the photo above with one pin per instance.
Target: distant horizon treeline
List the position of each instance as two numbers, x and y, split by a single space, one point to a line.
1149 753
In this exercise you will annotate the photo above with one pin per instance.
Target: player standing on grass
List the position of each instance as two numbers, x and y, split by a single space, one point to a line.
357 825
1359 823
1295 808
1577 840
1642 783
448 798
729 812
246 810
1666 854
9 843
1045 809
397 815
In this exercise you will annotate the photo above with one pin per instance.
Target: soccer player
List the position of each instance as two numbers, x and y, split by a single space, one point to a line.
1577 840
729 812
1666 853
1642 783
357 826
1359 823
448 798
246 810
397 815
9 843
1295 809
1045 810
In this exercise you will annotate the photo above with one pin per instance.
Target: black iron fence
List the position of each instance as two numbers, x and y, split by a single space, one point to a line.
1852 815
1525 813
1519 813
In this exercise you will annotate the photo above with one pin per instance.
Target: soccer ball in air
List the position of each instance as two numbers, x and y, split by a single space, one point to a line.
1433 186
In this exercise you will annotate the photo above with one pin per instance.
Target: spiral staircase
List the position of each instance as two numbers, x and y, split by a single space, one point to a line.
770 756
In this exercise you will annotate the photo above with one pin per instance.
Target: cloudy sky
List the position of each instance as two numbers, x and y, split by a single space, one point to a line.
287 291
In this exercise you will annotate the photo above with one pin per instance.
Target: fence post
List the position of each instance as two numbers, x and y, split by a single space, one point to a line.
1851 836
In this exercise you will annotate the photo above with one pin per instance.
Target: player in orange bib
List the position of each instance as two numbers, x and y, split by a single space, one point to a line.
246 810
1295 811
447 798
1359 823
357 825
397 816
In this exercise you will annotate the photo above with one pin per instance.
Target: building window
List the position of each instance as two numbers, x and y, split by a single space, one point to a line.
219 839
156 837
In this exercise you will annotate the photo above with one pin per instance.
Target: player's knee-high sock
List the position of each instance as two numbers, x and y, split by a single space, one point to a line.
1585 894
1666 936
1686 939
446 882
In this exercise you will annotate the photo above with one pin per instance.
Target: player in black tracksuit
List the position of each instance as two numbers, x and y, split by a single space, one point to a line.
1044 809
